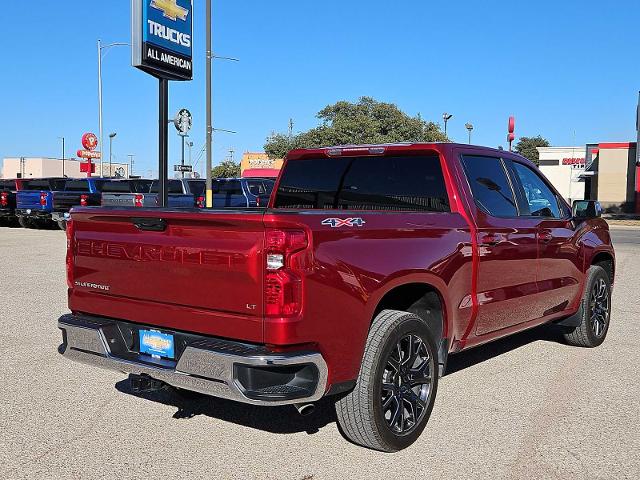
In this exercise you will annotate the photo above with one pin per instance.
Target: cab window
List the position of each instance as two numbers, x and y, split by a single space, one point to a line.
490 185
541 199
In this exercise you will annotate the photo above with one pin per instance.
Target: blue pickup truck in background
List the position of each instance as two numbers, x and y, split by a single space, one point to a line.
241 192
45 202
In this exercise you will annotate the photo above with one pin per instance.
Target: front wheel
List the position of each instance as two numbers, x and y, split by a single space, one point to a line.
596 310
62 224
396 387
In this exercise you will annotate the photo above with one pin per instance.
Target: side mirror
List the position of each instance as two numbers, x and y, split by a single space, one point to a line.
585 209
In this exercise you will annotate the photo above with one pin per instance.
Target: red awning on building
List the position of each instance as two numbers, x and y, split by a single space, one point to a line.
261 173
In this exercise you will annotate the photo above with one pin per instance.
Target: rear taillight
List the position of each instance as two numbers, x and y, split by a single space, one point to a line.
43 198
285 261
138 200
84 200
70 250
4 199
200 202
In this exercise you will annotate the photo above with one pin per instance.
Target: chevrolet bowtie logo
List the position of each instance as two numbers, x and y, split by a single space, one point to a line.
171 9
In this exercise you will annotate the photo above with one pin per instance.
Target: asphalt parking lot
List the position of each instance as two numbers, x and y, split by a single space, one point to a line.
524 407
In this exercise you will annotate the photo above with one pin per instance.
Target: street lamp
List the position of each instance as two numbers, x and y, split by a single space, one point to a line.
190 145
446 117
469 127
131 162
100 49
63 155
111 137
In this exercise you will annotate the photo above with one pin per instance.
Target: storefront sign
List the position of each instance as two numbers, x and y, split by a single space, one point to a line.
161 37
573 161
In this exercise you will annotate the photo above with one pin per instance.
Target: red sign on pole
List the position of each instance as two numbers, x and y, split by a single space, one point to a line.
90 143
88 154
511 136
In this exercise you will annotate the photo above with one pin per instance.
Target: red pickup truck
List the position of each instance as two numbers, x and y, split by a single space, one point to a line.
369 267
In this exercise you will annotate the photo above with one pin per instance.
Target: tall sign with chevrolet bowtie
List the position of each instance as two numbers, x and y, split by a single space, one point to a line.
162 38
162 46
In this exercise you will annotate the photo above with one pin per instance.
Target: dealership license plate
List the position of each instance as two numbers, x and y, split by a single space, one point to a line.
157 344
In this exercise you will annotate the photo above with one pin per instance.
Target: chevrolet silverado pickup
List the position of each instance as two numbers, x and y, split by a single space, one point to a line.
43 202
144 193
371 265
8 201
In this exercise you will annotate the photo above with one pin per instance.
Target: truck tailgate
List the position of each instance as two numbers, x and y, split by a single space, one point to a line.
196 271
30 199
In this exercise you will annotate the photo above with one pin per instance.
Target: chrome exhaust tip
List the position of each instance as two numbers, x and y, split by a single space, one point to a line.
305 409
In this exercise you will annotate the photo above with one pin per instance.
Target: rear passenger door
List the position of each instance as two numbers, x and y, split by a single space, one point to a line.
558 270
507 247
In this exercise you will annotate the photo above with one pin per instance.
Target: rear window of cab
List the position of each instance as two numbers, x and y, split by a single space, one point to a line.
398 183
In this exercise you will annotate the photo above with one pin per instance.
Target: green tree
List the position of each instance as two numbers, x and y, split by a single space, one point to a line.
227 169
367 121
526 147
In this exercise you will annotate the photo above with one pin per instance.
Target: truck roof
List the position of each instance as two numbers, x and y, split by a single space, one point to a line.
391 148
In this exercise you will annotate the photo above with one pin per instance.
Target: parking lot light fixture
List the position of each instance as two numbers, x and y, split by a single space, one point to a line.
111 137
469 127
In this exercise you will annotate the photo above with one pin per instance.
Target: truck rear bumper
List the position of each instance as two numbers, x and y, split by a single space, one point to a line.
232 370
32 213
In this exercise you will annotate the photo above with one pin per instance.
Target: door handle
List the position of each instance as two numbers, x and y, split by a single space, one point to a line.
545 236
490 240
150 224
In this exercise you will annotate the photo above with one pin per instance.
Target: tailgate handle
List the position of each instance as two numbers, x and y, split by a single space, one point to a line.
150 224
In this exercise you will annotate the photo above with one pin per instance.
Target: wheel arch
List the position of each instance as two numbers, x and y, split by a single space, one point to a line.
606 260
425 300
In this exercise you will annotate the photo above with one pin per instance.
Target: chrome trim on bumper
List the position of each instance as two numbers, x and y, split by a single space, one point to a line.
201 370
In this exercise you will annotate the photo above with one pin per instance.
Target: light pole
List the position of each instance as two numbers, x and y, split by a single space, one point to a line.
469 127
446 117
190 145
100 49
131 162
209 81
111 137
63 155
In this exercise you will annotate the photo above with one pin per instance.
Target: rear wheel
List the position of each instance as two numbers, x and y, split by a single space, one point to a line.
24 222
596 310
396 388
62 224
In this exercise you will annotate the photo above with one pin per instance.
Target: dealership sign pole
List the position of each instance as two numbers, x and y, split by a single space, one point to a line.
161 45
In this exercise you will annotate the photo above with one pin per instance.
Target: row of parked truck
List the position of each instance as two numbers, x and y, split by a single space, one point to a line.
46 202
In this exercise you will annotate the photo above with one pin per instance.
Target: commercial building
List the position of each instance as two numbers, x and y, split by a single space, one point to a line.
258 164
606 172
39 167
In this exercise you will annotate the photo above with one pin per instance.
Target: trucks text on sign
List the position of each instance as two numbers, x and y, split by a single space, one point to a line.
161 33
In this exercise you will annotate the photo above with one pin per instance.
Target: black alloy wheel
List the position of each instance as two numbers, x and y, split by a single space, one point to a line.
406 384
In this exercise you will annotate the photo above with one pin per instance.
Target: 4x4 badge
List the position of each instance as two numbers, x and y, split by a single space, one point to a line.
343 222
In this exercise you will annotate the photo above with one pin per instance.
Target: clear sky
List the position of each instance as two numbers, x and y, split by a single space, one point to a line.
559 66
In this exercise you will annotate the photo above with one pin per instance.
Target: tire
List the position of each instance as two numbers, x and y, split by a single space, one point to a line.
24 222
596 311
62 225
366 414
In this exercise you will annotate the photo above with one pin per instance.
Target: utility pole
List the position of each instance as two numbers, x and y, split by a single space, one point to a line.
111 137
209 182
63 155
131 162
100 106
